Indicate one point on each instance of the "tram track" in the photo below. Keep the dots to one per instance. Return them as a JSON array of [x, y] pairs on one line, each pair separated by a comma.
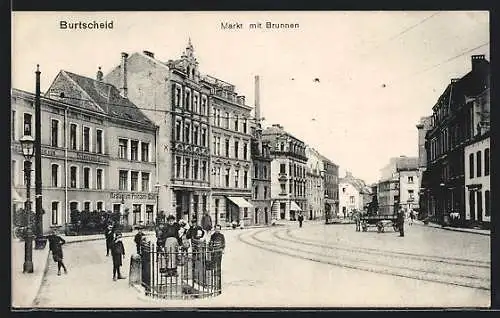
[[295, 250]]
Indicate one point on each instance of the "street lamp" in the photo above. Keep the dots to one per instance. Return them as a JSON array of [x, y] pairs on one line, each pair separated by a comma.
[[27, 145], [157, 187]]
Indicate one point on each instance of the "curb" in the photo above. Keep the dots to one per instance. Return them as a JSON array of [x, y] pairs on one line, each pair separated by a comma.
[[46, 269], [454, 229]]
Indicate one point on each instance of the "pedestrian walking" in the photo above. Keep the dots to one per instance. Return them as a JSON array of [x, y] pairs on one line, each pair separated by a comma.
[[138, 240], [206, 222], [401, 222], [357, 219], [55, 245], [109, 235], [117, 252], [412, 217], [300, 218]]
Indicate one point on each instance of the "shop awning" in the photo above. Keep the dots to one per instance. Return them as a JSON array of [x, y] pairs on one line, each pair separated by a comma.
[[294, 206], [16, 198], [241, 202]]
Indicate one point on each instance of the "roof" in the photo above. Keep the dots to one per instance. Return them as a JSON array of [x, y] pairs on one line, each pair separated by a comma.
[[356, 183], [108, 98]]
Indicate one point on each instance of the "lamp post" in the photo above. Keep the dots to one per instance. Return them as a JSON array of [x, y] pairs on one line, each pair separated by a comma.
[[157, 187], [27, 145]]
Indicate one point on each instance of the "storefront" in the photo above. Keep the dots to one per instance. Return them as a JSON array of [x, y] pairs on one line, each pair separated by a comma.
[[136, 208], [237, 209]]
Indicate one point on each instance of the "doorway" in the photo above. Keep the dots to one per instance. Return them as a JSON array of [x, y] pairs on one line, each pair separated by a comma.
[[266, 217], [472, 205], [256, 216], [282, 210], [480, 206]]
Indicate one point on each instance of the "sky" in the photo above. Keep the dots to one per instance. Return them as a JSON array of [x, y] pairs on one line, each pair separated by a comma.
[[378, 72]]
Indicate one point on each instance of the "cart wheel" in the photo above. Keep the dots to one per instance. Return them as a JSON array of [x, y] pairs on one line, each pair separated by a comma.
[[365, 228], [395, 227], [382, 229]]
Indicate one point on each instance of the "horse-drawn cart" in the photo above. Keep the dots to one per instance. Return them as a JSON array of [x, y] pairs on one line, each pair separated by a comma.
[[381, 222]]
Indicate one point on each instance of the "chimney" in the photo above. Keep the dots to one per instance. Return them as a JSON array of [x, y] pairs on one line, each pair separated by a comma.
[[99, 75], [476, 60], [123, 89], [257, 98], [148, 53]]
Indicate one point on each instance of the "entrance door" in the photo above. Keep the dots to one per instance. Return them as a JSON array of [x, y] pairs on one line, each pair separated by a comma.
[[310, 214], [480, 206], [282, 210], [266, 216], [256, 216], [472, 205]]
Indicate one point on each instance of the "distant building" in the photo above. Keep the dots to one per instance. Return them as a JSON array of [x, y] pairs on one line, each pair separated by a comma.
[[331, 187], [454, 125], [315, 191], [423, 126], [352, 195], [288, 172]]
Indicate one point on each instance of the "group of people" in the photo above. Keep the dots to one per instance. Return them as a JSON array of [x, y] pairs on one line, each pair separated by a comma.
[[115, 245]]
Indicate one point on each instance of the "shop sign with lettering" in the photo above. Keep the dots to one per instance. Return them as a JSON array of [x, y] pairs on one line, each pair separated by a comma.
[[132, 196]]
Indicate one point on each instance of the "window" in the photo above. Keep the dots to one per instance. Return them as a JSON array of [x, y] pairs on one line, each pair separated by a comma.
[[195, 103], [86, 139], [343, 190], [471, 166], [217, 208], [55, 175], [218, 146], [98, 179], [86, 206], [27, 128], [204, 170], [196, 168], [134, 150], [245, 179], [283, 188], [98, 141], [116, 207], [13, 173], [177, 167], [256, 192], [122, 148], [487, 203], [13, 125], [187, 168], [236, 178], [203, 105], [245, 150], [99, 206], [236, 123], [72, 136], [282, 168], [178, 130], [228, 171], [245, 212], [227, 121], [265, 172], [123, 180], [54, 132], [255, 171], [487, 162], [245, 126], [178, 96], [187, 129], [134, 181], [73, 206], [218, 117], [351, 199], [227, 147], [195, 135], [265, 192], [188, 100], [236, 146], [410, 179], [55, 213], [203, 141], [73, 176], [149, 213], [86, 178], [410, 194], [478, 163], [136, 208], [145, 181], [145, 151]]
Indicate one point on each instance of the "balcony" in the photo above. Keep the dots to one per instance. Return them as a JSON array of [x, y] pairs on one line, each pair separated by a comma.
[[282, 176]]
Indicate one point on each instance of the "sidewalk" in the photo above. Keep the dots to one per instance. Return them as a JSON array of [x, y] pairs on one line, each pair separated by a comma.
[[456, 229]]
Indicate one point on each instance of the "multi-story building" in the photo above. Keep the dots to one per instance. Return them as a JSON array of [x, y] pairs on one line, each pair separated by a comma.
[[174, 96], [423, 126], [288, 173], [315, 192], [399, 185], [231, 157], [453, 125], [477, 166], [81, 161], [261, 172], [331, 187], [352, 193]]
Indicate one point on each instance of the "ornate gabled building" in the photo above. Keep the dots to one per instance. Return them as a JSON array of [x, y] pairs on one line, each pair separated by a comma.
[[288, 173], [453, 127]]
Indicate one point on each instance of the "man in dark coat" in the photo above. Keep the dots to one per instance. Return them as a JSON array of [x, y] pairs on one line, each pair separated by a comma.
[[357, 219], [55, 245], [216, 246], [117, 252], [194, 231], [401, 222], [109, 234], [301, 219], [206, 222], [138, 240]]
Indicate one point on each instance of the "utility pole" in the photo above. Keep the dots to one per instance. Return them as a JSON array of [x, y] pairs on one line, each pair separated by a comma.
[[38, 159]]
